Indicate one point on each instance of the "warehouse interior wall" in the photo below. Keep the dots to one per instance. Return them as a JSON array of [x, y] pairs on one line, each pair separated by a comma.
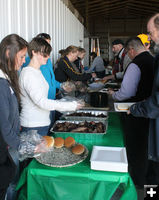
[[27, 18]]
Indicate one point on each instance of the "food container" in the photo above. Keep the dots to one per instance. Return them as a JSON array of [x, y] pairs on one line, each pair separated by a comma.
[[129, 104], [62, 157], [98, 99], [90, 115], [78, 135], [109, 159]]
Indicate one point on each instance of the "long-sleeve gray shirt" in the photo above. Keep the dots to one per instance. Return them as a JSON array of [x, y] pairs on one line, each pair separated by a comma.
[[129, 84], [97, 65]]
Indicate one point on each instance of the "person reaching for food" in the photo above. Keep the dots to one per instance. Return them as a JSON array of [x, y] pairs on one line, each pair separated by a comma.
[[35, 104]]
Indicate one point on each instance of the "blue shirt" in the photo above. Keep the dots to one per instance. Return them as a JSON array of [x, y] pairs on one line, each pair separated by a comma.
[[129, 84], [48, 73]]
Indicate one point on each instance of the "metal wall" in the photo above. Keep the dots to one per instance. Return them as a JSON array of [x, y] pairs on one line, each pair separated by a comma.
[[30, 17]]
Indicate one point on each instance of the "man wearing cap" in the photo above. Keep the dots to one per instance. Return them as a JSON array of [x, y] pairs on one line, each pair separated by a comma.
[[145, 40], [136, 86], [121, 60], [149, 108]]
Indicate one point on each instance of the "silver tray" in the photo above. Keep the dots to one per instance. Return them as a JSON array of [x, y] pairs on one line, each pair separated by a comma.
[[62, 157], [86, 118], [77, 122]]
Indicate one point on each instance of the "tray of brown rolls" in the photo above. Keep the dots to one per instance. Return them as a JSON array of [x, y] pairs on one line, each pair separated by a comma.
[[64, 153], [83, 127], [85, 115]]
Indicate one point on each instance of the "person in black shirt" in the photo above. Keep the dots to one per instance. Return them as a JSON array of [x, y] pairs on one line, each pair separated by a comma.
[[66, 72]]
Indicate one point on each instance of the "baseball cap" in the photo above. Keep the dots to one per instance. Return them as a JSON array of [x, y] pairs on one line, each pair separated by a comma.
[[118, 41], [143, 38]]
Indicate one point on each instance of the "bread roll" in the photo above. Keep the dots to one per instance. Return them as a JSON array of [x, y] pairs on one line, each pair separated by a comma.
[[122, 106], [49, 141], [78, 149], [59, 142], [69, 142]]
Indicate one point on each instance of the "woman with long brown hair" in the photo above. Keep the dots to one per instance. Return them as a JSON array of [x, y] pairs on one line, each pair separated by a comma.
[[12, 55]]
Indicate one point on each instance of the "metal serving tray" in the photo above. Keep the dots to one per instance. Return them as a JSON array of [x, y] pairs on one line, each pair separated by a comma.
[[105, 123], [86, 118], [62, 157]]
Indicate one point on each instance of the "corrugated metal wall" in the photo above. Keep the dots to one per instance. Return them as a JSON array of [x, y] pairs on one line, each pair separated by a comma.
[[30, 17]]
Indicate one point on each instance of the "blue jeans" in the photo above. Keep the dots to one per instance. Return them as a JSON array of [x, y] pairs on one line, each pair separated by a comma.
[[43, 130]]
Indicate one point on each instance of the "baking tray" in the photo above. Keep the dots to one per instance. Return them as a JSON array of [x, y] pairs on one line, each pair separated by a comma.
[[62, 157], [86, 118], [52, 130], [109, 159]]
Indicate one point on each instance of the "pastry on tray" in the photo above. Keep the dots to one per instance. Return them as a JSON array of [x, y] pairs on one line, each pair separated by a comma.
[[78, 149], [49, 141], [69, 142], [59, 142]]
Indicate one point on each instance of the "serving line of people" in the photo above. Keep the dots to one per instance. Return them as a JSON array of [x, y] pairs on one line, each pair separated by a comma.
[[149, 108], [31, 93], [136, 86], [36, 95], [140, 83]]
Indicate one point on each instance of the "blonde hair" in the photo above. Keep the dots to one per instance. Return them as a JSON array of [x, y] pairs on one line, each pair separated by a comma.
[[71, 49]]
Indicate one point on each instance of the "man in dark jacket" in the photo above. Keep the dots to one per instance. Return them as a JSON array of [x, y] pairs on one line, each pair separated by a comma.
[[149, 108], [136, 86]]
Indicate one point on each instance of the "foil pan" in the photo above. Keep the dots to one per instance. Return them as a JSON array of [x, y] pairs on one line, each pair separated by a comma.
[[62, 157], [53, 129], [96, 116]]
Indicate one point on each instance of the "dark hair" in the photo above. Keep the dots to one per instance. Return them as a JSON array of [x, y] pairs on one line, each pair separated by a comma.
[[44, 36], [81, 50], [134, 43], [9, 47], [118, 41], [93, 54], [39, 45]]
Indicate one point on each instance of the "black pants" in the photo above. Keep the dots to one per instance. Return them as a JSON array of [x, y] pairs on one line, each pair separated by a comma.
[[136, 141], [152, 177], [7, 174], [3, 193]]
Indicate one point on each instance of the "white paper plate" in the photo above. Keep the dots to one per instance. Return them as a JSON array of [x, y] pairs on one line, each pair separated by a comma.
[[109, 159], [116, 106]]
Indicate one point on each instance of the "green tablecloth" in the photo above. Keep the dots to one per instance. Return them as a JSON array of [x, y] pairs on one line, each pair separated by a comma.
[[79, 182]]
